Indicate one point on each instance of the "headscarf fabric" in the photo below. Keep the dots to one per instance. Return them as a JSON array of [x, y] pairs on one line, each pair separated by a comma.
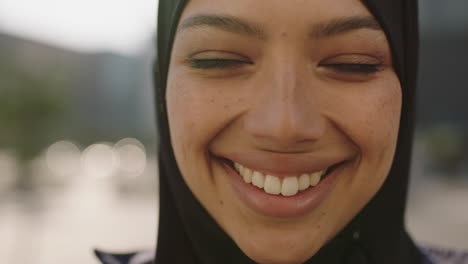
[[187, 234]]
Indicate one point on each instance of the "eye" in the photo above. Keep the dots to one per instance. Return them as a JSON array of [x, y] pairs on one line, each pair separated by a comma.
[[216, 63], [217, 59], [353, 67], [364, 68]]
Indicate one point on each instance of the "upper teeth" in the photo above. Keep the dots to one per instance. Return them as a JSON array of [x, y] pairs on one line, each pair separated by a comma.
[[289, 186]]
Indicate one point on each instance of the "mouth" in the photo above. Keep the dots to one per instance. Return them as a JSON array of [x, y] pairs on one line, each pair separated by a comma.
[[282, 194], [281, 186]]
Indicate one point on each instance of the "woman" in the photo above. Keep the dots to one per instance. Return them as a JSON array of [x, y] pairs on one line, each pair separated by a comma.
[[285, 130], [270, 91]]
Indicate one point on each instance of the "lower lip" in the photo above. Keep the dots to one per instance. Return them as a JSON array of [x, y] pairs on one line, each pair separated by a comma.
[[281, 206]]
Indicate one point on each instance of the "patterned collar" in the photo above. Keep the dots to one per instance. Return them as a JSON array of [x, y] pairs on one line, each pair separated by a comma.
[[142, 257], [445, 256]]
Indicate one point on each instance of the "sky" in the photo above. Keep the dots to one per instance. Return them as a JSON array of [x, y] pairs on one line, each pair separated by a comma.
[[125, 26], [122, 26]]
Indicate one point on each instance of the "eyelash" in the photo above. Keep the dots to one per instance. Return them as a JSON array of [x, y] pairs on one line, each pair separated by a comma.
[[360, 68], [215, 63], [364, 68]]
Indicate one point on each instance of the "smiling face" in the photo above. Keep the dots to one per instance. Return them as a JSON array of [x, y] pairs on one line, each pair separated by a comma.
[[283, 118]]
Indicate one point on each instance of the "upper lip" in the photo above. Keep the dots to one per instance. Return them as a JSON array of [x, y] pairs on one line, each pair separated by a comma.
[[284, 164]]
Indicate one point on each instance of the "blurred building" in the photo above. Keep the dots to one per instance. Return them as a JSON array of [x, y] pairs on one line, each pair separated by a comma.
[[109, 95], [442, 80], [442, 112]]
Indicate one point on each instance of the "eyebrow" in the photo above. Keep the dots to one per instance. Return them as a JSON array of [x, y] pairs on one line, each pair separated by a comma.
[[226, 23], [236, 25], [344, 25]]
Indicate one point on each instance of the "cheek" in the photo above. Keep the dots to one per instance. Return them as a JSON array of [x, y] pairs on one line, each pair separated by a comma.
[[186, 114], [370, 117], [189, 124], [197, 113], [380, 129]]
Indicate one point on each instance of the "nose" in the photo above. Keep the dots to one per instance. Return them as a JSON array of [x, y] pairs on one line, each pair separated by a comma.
[[285, 112]]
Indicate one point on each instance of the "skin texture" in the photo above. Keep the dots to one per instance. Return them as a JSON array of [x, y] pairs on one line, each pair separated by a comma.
[[282, 99]]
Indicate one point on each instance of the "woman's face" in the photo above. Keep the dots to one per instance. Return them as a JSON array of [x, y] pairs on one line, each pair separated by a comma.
[[283, 117]]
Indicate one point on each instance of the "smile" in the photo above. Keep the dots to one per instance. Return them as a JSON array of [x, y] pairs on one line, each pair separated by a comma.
[[285, 186]]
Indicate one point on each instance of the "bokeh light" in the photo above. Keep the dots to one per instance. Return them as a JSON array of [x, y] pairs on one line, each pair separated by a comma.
[[132, 156], [99, 160], [63, 158]]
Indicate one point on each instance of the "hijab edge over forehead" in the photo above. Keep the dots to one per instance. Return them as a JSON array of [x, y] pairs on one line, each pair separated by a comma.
[[187, 232]]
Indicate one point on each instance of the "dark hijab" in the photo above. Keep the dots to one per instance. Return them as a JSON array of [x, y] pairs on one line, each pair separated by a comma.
[[189, 235]]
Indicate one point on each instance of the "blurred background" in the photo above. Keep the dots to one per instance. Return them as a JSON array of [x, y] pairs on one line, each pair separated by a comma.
[[78, 166]]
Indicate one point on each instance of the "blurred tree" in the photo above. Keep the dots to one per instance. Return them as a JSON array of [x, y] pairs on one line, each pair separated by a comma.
[[447, 148], [30, 105]]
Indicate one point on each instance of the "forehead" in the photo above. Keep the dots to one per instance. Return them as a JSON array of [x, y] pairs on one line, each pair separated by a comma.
[[279, 15]]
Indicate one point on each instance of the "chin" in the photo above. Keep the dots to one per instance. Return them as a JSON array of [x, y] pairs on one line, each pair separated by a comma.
[[283, 256], [291, 249]]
